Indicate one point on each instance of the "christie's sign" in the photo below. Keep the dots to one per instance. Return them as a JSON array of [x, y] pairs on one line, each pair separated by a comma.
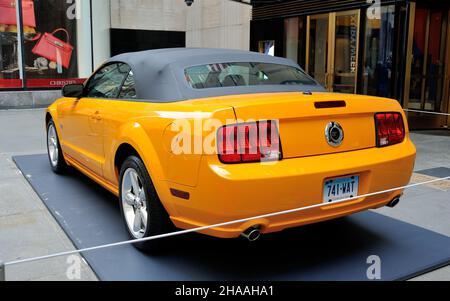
[[53, 83]]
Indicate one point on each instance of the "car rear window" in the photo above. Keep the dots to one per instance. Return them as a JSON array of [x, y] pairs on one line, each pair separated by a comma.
[[245, 74]]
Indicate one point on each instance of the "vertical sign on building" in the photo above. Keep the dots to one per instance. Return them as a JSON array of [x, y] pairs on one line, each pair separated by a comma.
[[353, 43]]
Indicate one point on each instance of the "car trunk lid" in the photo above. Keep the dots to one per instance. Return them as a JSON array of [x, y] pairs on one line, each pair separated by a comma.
[[303, 119]]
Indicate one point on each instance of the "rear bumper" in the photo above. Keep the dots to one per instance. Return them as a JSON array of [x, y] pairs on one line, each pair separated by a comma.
[[231, 192]]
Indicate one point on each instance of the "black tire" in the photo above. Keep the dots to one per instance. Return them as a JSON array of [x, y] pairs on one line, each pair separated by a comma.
[[158, 221], [59, 165]]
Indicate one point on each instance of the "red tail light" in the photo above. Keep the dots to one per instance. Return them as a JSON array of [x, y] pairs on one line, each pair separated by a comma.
[[249, 142], [390, 129]]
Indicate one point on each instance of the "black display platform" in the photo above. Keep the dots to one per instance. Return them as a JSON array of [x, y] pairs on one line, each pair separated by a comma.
[[335, 250]]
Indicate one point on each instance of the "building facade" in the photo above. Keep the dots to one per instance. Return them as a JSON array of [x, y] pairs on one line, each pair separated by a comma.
[[45, 44], [389, 48]]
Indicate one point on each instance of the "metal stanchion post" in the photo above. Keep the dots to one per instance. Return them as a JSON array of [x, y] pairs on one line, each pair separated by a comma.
[[2, 271]]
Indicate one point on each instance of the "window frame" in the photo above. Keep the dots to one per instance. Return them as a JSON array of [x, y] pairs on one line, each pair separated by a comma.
[[190, 85], [130, 73], [99, 69]]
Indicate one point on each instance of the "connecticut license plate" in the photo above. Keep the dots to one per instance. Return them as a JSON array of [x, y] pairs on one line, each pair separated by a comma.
[[339, 189]]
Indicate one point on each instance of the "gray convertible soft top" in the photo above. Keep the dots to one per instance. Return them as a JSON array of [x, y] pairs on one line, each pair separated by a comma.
[[160, 74]]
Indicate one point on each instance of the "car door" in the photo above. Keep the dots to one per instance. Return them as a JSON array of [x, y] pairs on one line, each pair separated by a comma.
[[110, 116], [82, 121]]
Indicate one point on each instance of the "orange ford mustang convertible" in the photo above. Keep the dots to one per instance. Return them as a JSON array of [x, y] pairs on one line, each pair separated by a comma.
[[194, 137]]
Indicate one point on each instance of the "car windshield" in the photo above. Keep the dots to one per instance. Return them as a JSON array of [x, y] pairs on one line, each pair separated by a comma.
[[245, 74]]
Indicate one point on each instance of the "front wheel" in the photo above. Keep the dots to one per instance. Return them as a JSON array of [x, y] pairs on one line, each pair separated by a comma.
[[54, 151], [142, 211]]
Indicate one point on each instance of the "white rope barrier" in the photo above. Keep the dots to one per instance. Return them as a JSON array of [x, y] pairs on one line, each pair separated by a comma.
[[220, 224], [127, 242], [426, 112], [3, 265]]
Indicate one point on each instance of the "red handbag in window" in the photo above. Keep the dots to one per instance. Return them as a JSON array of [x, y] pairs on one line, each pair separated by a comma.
[[54, 49], [8, 13]]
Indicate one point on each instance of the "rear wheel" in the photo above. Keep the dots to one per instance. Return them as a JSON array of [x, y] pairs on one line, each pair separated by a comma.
[[142, 211], [54, 151]]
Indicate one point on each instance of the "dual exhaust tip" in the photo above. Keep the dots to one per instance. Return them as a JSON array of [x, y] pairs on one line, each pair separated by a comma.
[[254, 233], [394, 202]]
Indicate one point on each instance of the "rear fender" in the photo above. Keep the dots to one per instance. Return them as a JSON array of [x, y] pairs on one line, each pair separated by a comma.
[[134, 134]]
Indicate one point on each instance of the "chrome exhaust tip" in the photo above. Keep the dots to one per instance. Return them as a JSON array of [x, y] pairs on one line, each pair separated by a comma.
[[251, 234], [394, 202]]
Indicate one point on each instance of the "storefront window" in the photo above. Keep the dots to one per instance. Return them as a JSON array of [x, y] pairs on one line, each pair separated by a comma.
[[49, 48], [378, 53], [9, 46]]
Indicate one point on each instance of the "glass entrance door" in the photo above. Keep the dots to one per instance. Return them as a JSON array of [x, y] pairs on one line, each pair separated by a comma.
[[317, 61], [332, 55], [346, 52], [427, 86]]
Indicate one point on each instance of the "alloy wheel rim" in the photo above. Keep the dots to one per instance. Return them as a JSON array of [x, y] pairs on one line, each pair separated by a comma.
[[52, 142], [134, 203]]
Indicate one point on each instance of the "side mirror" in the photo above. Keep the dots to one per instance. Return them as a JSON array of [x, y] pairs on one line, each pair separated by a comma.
[[73, 90]]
